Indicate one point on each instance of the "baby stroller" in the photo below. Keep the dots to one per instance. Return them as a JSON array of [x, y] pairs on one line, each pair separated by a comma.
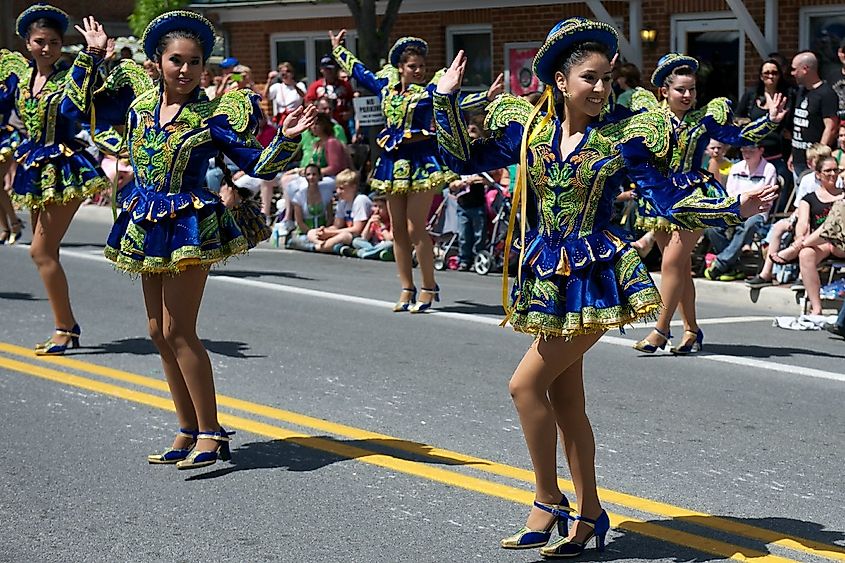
[[498, 210], [442, 227]]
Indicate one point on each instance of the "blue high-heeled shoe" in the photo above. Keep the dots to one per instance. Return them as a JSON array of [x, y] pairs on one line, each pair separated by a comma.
[[406, 305], [645, 346], [526, 538], [694, 347], [173, 455], [52, 348], [567, 548], [202, 458], [422, 307]]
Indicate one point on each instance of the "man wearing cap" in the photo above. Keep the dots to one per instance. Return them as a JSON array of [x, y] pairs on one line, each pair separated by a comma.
[[333, 88], [750, 173]]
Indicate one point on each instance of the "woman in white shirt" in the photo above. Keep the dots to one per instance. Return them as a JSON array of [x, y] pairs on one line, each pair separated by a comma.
[[285, 94]]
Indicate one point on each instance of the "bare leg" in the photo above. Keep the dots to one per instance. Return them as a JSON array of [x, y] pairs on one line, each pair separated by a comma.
[[182, 295], [397, 206], [50, 226], [675, 274], [156, 318], [543, 363], [687, 303], [808, 259], [267, 189], [568, 402], [419, 205]]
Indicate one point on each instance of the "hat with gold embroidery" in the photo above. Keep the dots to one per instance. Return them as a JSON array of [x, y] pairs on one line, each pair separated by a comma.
[[668, 63], [569, 32], [403, 43], [175, 21], [38, 11]]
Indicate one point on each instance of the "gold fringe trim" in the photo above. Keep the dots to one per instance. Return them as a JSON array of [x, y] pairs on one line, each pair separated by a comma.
[[191, 256], [434, 182], [52, 196]]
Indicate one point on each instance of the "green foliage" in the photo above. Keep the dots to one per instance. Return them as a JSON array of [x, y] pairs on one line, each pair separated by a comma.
[[147, 10]]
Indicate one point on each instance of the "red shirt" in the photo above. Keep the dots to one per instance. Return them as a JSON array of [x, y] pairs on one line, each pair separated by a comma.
[[340, 92]]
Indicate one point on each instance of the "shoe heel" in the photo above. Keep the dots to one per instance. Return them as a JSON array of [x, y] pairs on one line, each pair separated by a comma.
[[225, 454], [600, 542], [74, 342]]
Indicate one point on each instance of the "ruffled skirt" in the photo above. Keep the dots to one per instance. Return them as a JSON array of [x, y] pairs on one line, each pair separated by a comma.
[[10, 138], [648, 217], [411, 167], [581, 286], [55, 175], [157, 233]]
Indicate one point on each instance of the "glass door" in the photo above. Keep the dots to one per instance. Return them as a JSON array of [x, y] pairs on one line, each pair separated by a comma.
[[719, 45]]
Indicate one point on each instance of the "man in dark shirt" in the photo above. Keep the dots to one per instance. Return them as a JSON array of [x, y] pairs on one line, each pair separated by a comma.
[[816, 110]]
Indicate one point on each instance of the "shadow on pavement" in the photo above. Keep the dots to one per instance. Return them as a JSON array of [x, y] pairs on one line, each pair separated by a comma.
[[144, 347], [19, 296], [473, 308], [260, 273], [625, 545], [309, 453], [755, 351]]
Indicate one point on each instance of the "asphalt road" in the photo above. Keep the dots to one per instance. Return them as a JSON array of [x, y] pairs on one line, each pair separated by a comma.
[[368, 436]]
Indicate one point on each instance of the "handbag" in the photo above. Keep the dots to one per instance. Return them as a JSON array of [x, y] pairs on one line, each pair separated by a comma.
[[833, 228]]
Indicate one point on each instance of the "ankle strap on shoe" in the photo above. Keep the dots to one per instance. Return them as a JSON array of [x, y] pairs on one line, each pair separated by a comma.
[[221, 436], [666, 335], [192, 434], [558, 510]]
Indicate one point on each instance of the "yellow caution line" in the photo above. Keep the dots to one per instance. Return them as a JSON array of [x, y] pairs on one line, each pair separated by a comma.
[[804, 545], [447, 477]]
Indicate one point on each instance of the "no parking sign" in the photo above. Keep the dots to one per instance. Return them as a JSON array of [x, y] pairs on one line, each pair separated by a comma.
[[368, 111]]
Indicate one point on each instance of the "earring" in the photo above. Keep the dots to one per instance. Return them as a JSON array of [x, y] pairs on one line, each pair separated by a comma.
[[566, 94]]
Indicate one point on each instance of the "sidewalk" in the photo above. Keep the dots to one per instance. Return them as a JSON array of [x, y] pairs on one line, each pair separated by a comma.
[[776, 299]]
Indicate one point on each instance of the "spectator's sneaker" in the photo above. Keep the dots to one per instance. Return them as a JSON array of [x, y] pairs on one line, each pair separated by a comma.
[[732, 276], [834, 328], [386, 255], [757, 282], [464, 267], [713, 272], [347, 251]]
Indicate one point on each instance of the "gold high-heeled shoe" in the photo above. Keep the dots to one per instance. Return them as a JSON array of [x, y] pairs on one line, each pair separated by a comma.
[[202, 458], [423, 306], [52, 348], [526, 538], [406, 305], [645, 346], [175, 455]]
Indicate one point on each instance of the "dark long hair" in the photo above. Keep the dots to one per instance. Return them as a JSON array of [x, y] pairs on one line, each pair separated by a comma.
[[782, 84]]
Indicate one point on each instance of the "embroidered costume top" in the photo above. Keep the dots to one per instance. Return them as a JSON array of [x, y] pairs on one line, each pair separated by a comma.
[[691, 135], [408, 114], [169, 219], [576, 274], [54, 167]]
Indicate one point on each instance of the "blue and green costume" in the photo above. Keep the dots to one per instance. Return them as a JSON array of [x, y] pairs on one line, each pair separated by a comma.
[[405, 166]]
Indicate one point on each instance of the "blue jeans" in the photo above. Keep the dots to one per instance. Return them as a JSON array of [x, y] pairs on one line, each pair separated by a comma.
[[840, 320], [471, 226], [214, 177], [367, 249], [729, 250]]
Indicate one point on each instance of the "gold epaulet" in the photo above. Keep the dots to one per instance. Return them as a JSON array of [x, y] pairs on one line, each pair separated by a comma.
[[237, 106], [11, 62], [719, 109]]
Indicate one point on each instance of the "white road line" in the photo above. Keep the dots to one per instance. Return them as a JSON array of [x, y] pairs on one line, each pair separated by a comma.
[[492, 321]]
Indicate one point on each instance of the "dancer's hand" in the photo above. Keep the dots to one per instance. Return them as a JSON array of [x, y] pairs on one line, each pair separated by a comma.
[[757, 201], [777, 106], [93, 32], [299, 121], [337, 39], [497, 87], [453, 77]]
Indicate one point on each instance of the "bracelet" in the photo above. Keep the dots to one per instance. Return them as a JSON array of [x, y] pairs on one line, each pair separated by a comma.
[[98, 52]]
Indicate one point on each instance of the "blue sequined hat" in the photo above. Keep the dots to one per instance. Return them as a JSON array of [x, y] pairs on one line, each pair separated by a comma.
[[403, 43], [38, 11], [178, 19], [567, 33], [668, 63]]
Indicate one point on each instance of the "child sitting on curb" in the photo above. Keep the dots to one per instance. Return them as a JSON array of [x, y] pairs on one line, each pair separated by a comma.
[[353, 210], [376, 240]]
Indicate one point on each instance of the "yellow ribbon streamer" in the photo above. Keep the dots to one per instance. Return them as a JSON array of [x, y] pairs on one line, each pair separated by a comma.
[[519, 198]]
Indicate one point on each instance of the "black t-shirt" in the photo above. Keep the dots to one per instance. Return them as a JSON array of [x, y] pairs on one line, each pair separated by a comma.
[[811, 107]]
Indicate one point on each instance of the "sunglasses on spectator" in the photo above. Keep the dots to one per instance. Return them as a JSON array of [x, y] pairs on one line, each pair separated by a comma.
[[831, 171], [770, 73]]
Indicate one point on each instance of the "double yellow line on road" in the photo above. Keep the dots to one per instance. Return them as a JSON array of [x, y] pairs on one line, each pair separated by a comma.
[[428, 455]]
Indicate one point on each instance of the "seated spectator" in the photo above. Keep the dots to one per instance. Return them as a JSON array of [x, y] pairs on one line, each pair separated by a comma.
[[311, 210], [750, 173], [718, 164], [207, 84], [214, 175], [816, 153], [809, 248], [838, 327], [628, 79], [839, 153], [152, 70], [376, 240], [353, 211]]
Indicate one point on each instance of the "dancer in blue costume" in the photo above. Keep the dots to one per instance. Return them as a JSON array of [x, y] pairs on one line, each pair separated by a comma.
[[692, 130], [409, 170], [576, 277], [171, 228], [11, 226], [54, 172]]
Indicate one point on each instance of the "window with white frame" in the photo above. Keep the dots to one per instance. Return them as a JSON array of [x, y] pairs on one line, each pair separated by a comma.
[[822, 29], [304, 51], [477, 42]]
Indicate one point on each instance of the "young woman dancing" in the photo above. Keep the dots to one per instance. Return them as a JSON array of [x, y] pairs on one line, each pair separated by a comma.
[[576, 277], [54, 172], [171, 228], [692, 130], [409, 171]]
